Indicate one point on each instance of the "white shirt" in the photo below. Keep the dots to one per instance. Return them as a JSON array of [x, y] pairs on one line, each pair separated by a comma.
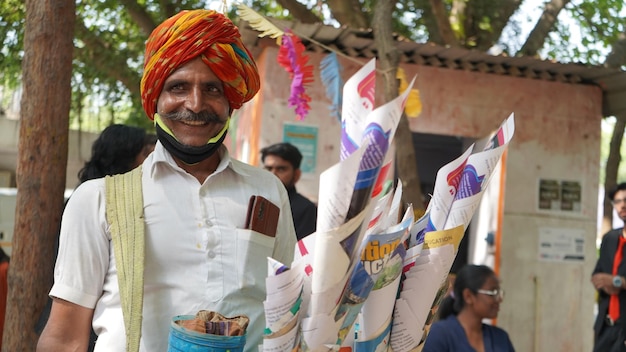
[[197, 254]]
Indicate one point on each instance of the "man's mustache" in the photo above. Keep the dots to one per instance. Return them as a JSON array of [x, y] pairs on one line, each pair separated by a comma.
[[186, 115]]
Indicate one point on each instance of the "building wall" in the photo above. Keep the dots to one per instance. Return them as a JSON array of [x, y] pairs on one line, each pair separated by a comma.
[[79, 151], [549, 305]]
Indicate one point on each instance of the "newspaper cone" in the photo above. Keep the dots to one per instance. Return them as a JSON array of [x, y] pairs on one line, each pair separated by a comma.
[[423, 282]]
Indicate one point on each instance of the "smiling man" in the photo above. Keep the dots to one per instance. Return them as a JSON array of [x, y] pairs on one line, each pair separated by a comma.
[[198, 255]]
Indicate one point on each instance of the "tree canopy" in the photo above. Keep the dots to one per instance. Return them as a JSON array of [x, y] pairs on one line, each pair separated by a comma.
[[110, 35]]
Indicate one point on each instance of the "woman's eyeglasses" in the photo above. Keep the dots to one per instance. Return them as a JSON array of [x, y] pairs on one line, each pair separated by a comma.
[[498, 293]]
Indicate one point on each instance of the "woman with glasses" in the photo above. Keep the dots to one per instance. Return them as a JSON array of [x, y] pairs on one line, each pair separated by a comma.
[[476, 296]]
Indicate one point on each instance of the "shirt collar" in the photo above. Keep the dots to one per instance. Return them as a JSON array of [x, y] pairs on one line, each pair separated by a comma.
[[161, 156]]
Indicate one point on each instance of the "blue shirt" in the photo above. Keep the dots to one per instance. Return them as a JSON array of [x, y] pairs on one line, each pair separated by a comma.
[[448, 335]]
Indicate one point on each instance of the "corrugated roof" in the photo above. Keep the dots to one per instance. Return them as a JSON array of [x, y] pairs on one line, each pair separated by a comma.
[[360, 43]]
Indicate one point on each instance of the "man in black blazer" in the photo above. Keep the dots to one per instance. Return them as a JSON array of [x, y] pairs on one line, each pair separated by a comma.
[[609, 279]]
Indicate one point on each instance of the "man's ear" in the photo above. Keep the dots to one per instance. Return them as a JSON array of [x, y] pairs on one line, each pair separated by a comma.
[[296, 175]]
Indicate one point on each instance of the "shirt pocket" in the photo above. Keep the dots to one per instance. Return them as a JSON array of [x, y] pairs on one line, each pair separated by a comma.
[[253, 248]]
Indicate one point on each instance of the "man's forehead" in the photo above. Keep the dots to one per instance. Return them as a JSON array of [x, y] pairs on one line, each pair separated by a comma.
[[275, 160], [196, 64]]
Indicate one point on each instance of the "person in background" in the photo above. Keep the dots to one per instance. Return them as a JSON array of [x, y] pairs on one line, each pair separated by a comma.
[[609, 278], [4, 270], [118, 149], [148, 146], [198, 255], [283, 160], [476, 296]]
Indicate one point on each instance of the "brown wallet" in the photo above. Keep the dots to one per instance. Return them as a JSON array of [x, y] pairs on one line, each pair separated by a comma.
[[262, 216]]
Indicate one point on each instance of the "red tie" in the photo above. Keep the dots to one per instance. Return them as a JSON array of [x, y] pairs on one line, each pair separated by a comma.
[[614, 300]]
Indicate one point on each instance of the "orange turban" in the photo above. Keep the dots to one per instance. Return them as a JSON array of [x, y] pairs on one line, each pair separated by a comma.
[[190, 34]]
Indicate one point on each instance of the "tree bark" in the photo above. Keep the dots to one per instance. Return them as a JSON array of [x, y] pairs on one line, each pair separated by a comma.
[[503, 10], [349, 13], [610, 172], [169, 7], [431, 24], [440, 14], [617, 56], [388, 59], [615, 59], [299, 11], [538, 35], [476, 11], [41, 167], [139, 14]]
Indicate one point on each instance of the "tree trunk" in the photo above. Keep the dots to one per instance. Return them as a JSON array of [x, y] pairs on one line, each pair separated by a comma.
[[479, 37], [388, 58], [538, 35], [140, 15], [617, 56], [299, 11], [350, 13], [440, 14], [615, 59], [610, 173], [41, 167]]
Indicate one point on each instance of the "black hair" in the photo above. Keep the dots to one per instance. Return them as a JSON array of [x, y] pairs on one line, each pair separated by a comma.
[[150, 139], [619, 187], [286, 151], [4, 257], [113, 152], [472, 277]]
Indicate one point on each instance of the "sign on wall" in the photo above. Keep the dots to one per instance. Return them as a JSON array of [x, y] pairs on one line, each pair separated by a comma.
[[558, 244], [304, 138], [560, 195]]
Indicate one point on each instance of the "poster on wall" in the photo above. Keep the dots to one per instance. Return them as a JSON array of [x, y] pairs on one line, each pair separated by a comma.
[[560, 195], [304, 137], [549, 195], [570, 196], [558, 244]]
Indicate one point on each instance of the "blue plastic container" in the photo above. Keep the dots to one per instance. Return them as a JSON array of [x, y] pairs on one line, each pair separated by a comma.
[[185, 340]]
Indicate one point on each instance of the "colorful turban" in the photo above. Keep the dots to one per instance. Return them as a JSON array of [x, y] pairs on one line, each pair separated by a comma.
[[191, 34]]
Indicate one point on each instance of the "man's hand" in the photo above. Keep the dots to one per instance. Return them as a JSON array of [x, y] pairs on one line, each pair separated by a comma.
[[604, 282]]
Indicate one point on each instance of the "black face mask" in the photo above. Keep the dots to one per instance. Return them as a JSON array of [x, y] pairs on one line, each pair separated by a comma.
[[187, 154]]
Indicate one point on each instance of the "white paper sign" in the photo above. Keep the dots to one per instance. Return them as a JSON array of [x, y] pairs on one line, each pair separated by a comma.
[[557, 244]]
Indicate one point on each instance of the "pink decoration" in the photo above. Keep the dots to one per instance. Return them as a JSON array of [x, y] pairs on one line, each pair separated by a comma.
[[291, 57]]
